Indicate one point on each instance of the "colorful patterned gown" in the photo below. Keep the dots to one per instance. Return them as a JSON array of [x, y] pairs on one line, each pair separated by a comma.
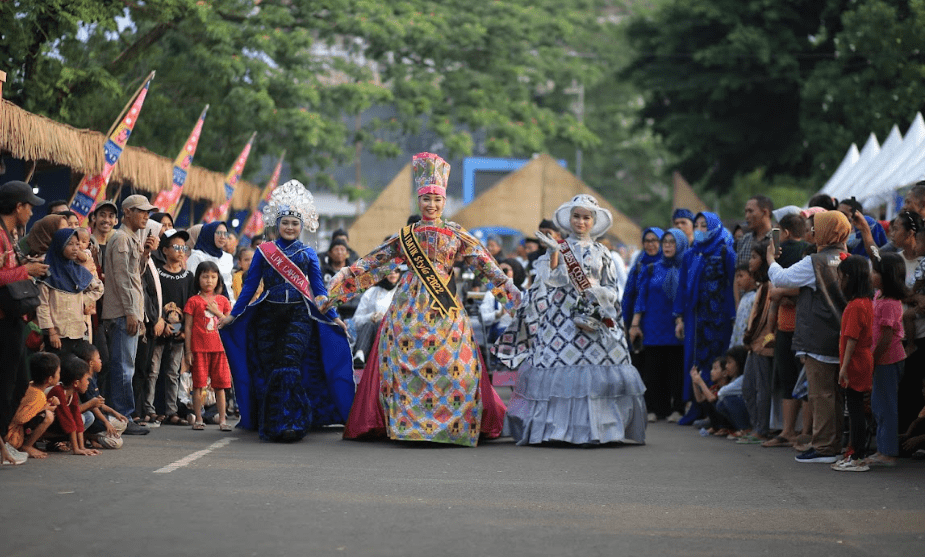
[[573, 386], [428, 363]]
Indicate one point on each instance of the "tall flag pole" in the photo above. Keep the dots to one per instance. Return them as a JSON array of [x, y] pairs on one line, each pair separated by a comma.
[[231, 180], [255, 223], [169, 200], [92, 189]]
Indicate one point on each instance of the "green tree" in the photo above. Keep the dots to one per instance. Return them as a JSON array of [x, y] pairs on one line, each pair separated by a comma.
[[875, 80], [723, 81], [298, 71]]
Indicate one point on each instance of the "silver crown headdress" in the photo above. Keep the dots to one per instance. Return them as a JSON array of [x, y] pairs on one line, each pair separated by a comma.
[[292, 200]]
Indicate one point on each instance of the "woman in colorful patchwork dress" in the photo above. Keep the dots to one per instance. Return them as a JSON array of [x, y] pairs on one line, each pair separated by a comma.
[[704, 308], [575, 381], [425, 380], [291, 364]]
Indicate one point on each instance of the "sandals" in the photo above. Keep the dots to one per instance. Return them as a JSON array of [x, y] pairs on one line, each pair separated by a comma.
[[778, 441], [58, 447], [199, 426], [224, 427], [174, 419]]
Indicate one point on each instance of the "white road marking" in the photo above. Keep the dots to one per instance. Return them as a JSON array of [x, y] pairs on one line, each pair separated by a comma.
[[195, 456]]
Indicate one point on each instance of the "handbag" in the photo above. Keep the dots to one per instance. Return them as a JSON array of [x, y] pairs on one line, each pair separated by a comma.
[[19, 298]]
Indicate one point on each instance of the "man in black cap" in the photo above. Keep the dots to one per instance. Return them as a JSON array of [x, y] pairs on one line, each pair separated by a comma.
[[16, 203], [351, 255]]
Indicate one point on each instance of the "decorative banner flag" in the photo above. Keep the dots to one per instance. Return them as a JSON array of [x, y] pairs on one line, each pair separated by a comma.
[[92, 188], [231, 180], [255, 224], [168, 200]]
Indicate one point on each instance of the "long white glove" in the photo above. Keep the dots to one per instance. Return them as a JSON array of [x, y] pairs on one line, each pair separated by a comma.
[[547, 240]]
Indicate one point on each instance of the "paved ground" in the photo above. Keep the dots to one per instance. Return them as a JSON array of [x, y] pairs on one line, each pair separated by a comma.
[[182, 492]]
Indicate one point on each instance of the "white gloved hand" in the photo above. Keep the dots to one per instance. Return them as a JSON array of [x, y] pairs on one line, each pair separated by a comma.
[[547, 240]]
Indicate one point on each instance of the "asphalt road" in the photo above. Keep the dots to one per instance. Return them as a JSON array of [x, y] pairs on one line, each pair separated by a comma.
[[204, 493]]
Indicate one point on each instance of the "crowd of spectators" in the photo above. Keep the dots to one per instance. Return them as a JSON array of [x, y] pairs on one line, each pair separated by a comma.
[[807, 330]]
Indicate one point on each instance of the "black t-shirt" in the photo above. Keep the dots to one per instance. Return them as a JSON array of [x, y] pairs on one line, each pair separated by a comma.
[[176, 289]]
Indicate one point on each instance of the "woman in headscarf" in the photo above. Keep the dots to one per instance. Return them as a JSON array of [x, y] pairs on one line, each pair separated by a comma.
[[704, 308], [210, 246], [818, 328], [428, 382], [36, 242], [290, 363], [575, 381], [65, 293], [651, 252], [166, 224], [663, 367]]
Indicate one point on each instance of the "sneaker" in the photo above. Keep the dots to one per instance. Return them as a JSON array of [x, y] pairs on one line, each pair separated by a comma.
[[850, 465], [702, 424], [652, 417], [814, 456], [108, 442], [675, 417], [116, 424], [19, 457], [132, 428]]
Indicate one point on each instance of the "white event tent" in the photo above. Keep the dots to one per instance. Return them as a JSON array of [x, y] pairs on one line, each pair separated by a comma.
[[877, 172]]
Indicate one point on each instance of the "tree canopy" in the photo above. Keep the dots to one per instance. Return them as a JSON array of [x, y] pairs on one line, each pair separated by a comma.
[[297, 71], [781, 86]]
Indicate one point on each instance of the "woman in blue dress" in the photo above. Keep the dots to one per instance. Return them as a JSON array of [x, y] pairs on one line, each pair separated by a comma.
[[291, 364], [652, 319], [704, 308]]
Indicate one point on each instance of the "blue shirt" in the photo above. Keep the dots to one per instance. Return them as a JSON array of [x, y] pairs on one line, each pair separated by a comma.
[[657, 323]]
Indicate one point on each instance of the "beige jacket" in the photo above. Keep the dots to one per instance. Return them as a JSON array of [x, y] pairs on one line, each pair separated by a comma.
[[64, 311], [122, 265]]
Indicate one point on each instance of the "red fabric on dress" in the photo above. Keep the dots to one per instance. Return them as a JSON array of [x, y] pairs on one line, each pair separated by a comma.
[[205, 324], [367, 417]]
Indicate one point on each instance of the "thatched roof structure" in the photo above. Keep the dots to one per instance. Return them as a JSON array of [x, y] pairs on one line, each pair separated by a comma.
[[685, 196], [533, 193], [385, 216], [32, 137]]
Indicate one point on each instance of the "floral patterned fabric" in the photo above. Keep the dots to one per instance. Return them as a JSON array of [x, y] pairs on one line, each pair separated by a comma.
[[429, 365]]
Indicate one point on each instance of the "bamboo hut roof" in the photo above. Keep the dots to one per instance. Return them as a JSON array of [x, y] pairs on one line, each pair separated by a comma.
[[532, 193], [386, 215], [32, 137]]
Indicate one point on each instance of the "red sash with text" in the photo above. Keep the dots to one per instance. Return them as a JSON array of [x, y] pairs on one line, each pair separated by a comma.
[[287, 269]]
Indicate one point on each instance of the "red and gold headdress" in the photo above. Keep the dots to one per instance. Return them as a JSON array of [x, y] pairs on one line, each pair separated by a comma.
[[430, 173]]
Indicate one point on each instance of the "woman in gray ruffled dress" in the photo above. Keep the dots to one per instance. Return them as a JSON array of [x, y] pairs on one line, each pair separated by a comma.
[[575, 381]]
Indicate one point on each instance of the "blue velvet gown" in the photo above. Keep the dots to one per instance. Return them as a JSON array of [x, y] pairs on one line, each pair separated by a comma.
[[291, 372]]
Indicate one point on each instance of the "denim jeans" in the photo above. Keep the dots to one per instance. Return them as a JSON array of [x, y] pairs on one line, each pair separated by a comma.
[[884, 405], [732, 407], [122, 348], [88, 419]]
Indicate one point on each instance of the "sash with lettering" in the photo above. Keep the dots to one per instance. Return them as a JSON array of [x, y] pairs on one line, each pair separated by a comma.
[[287, 269], [586, 313], [575, 272], [444, 301]]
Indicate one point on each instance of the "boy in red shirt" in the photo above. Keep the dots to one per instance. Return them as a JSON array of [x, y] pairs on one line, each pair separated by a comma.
[[75, 378]]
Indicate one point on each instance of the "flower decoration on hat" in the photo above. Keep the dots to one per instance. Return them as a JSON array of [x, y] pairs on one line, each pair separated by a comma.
[[292, 200], [430, 173]]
